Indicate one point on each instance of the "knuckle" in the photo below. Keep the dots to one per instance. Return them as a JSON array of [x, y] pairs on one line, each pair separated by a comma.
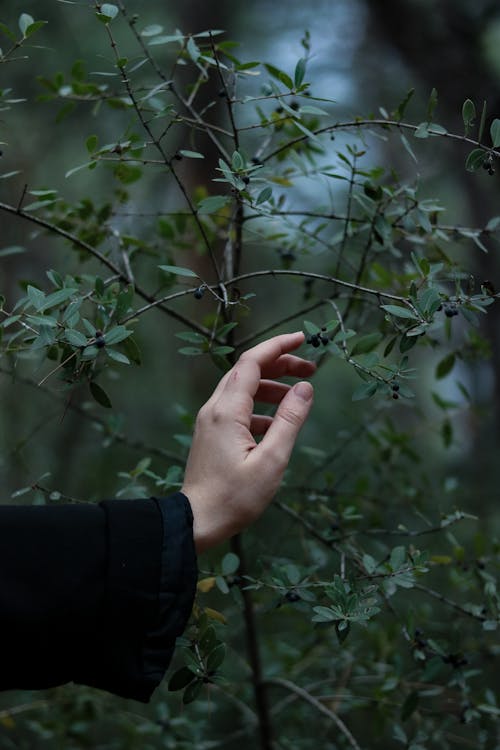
[[210, 414], [290, 417]]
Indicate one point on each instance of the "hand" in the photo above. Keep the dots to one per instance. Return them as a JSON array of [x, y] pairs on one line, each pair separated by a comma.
[[230, 479]]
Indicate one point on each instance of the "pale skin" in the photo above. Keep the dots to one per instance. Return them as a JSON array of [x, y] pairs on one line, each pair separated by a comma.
[[230, 479]]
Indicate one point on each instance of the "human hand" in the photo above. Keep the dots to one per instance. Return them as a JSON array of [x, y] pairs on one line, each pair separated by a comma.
[[230, 478]]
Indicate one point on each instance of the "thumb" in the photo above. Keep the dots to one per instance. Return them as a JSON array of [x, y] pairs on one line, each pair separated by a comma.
[[289, 418]]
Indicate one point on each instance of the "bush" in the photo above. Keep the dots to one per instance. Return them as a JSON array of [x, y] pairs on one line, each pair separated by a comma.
[[220, 201]]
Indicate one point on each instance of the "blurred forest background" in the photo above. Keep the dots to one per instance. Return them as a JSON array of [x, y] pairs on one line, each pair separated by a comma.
[[439, 450]]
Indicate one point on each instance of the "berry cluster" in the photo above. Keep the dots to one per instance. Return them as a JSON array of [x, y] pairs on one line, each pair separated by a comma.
[[488, 165], [395, 389], [450, 309], [316, 339]]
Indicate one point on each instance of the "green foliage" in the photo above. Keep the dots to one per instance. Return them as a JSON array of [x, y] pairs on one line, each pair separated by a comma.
[[366, 590]]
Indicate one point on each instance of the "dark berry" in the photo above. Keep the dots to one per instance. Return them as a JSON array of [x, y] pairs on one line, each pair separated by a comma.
[[315, 341], [294, 105], [323, 328], [99, 342], [395, 386], [324, 340], [221, 93], [255, 160], [178, 156], [279, 110], [395, 395], [292, 596], [246, 180], [198, 293]]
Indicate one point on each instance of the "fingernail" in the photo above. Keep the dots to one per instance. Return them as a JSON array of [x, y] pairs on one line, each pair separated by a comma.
[[304, 390]]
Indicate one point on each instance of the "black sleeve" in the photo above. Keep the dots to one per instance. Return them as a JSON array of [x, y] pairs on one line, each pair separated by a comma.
[[94, 594]]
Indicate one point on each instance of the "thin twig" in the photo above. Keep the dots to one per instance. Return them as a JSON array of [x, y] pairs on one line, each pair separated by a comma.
[[301, 693]]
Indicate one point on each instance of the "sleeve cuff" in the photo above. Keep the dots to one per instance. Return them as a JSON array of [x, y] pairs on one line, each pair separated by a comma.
[[151, 584]]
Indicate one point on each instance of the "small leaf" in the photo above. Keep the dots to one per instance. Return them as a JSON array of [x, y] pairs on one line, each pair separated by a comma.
[[445, 366], [432, 104], [91, 143], [212, 204], [113, 336], [280, 75], [366, 343], [33, 27], [152, 30], [100, 395], [25, 21], [191, 154], [495, 133], [108, 11], [216, 657], [367, 390], [117, 356], [179, 271], [409, 706], [180, 679], [192, 691], [263, 196], [468, 114], [300, 71], [475, 159], [230, 564], [399, 312]]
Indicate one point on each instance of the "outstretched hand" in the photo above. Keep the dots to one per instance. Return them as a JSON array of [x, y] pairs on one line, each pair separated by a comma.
[[230, 478]]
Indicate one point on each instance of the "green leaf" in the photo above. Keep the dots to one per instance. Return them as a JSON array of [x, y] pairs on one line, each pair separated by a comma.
[[445, 366], [432, 104], [280, 75], [263, 196], [190, 351], [33, 28], [8, 33], [117, 356], [56, 298], [216, 657], [12, 250], [180, 679], [212, 204], [366, 343], [300, 71], [495, 133], [468, 114], [74, 337], [367, 390], [100, 395], [230, 564], [324, 614], [399, 312], [409, 706], [91, 143], [237, 162], [116, 334], [475, 159], [482, 122], [108, 12], [192, 691], [152, 30], [35, 296], [179, 271], [191, 154], [192, 336], [399, 113], [25, 21]]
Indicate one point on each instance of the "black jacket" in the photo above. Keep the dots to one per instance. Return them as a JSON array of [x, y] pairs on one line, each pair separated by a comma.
[[94, 594]]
